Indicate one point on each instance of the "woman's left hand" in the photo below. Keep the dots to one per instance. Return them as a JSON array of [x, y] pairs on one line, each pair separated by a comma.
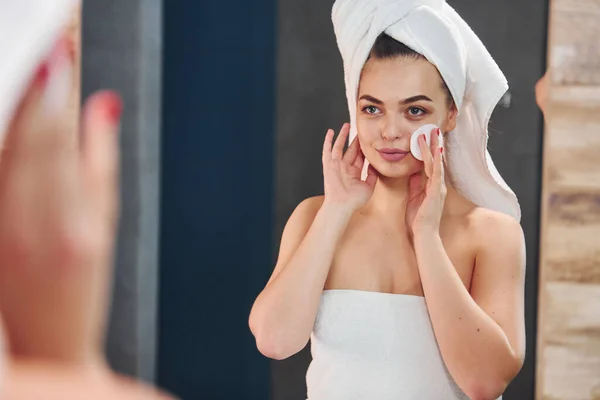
[[427, 189]]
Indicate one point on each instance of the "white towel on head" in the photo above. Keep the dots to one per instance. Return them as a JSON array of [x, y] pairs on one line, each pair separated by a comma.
[[28, 29], [433, 29]]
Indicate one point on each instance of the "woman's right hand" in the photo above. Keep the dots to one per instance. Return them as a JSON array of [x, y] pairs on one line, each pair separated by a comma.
[[344, 188], [58, 218]]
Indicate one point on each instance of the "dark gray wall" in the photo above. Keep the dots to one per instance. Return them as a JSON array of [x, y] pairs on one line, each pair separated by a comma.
[[122, 50], [311, 99]]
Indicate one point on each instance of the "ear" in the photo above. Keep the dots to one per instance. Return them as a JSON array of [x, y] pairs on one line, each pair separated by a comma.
[[450, 123]]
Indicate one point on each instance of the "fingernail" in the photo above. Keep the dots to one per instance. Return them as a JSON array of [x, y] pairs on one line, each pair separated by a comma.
[[441, 150], [113, 107], [41, 76], [439, 132]]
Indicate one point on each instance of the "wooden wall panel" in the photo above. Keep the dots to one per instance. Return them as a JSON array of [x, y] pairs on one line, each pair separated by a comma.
[[569, 314]]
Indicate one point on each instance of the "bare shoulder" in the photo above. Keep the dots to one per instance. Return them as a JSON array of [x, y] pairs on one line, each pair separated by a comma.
[[305, 212], [496, 233], [297, 226], [486, 221]]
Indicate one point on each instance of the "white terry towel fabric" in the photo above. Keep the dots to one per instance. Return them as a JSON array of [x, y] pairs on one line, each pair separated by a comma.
[[28, 30], [433, 29]]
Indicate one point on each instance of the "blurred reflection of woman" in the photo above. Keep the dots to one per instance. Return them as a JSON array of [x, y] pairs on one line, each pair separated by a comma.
[[409, 281], [58, 214]]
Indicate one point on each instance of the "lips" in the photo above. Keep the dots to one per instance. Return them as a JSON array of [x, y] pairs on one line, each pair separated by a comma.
[[392, 155]]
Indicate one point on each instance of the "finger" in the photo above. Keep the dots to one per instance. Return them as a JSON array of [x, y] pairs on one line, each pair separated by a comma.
[[50, 82], [100, 155], [327, 145], [26, 108], [416, 185], [338, 146], [352, 151], [427, 155], [46, 106], [32, 97], [371, 176], [39, 160], [438, 168], [44, 147], [434, 134], [54, 62], [359, 160]]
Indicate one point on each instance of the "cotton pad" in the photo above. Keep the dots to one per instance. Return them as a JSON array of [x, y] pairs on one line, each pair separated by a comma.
[[414, 144]]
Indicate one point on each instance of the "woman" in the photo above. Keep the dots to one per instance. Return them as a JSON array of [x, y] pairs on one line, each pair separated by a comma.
[[410, 281], [58, 211]]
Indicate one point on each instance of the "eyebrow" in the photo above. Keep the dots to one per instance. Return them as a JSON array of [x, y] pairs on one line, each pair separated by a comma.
[[409, 100]]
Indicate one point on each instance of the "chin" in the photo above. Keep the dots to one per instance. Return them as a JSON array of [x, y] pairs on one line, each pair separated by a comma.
[[398, 170]]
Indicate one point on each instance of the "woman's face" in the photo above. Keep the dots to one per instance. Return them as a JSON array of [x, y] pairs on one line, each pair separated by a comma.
[[397, 96]]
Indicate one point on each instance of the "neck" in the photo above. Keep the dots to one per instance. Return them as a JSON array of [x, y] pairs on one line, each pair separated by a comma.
[[391, 195], [389, 198]]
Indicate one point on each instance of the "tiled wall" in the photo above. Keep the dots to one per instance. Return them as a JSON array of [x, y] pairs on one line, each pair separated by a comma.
[[569, 330]]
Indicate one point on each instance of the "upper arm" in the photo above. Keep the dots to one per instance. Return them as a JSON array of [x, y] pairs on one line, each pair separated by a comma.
[[295, 230], [498, 284]]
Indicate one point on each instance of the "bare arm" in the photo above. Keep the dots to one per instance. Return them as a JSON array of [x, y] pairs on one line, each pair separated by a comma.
[[480, 334], [284, 313]]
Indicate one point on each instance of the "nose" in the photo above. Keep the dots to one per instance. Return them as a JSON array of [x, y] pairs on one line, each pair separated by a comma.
[[393, 129]]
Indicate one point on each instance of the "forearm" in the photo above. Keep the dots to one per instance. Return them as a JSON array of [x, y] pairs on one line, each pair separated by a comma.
[[283, 315], [474, 347]]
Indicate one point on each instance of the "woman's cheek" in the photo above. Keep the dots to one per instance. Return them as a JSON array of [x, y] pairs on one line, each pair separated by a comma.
[[368, 130]]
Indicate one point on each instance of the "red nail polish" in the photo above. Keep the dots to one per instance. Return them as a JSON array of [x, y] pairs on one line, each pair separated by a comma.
[[439, 132], [441, 150], [42, 75], [113, 107]]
